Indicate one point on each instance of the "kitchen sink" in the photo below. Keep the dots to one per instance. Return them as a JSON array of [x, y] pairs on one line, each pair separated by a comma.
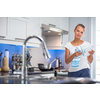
[[43, 79], [10, 76]]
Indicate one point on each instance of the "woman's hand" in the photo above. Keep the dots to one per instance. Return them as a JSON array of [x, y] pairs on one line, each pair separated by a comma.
[[90, 57], [91, 52], [78, 53]]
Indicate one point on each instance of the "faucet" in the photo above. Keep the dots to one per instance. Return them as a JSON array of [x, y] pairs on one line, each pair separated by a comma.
[[25, 64]]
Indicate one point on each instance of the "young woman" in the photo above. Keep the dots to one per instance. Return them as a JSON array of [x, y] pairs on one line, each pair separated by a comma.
[[79, 64]]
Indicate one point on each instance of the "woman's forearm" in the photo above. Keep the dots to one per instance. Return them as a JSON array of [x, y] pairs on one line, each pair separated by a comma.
[[90, 58], [69, 59]]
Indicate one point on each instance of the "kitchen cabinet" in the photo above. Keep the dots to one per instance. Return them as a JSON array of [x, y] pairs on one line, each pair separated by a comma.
[[15, 30], [3, 27], [50, 20], [19, 27], [57, 41], [59, 22], [34, 29], [64, 23]]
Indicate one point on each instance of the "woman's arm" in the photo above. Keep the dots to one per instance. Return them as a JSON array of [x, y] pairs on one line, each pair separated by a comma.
[[69, 59], [90, 57]]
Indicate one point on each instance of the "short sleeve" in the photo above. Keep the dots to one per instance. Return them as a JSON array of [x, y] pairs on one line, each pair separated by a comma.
[[87, 43], [67, 45]]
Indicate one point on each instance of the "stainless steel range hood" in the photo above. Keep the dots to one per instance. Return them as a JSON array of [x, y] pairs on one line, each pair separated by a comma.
[[52, 30]]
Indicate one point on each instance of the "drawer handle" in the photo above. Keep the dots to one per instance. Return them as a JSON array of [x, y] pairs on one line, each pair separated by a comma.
[[2, 36], [19, 39]]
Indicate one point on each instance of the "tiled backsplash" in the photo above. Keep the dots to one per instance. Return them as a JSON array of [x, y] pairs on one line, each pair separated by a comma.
[[36, 56]]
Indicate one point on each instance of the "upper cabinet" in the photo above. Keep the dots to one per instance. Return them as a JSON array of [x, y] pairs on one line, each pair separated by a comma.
[[3, 27], [64, 23], [19, 27], [54, 38], [34, 24], [50, 20], [60, 22], [16, 29]]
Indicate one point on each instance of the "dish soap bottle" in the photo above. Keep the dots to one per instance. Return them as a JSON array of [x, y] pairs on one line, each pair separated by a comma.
[[5, 66]]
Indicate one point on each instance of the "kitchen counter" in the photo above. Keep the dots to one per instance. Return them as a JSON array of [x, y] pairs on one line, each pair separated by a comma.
[[47, 78]]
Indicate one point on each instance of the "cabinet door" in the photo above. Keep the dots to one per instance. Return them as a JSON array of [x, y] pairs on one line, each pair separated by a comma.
[[50, 20], [3, 27], [34, 29], [64, 23], [19, 28]]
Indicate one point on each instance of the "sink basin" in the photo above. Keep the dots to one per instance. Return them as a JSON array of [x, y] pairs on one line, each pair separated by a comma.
[[35, 77], [32, 79]]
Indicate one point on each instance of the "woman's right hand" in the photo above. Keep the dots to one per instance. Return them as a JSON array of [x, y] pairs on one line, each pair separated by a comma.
[[78, 53]]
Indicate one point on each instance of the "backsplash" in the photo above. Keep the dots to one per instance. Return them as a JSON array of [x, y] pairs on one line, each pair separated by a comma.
[[13, 49], [37, 54]]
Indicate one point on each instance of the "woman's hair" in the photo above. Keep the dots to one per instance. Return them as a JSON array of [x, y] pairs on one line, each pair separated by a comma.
[[80, 25]]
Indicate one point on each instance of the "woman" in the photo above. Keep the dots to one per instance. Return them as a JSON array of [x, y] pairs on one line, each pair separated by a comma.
[[79, 64]]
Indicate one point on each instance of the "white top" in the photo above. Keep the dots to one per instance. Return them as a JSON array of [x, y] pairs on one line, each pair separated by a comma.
[[79, 62]]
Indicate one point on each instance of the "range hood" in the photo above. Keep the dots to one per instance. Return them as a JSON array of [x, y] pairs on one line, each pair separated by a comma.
[[52, 30]]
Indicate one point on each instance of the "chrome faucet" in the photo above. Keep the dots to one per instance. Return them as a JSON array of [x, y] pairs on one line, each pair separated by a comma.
[[25, 64]]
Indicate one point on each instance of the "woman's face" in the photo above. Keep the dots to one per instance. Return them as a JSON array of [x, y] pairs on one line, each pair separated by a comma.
[[79, 31]]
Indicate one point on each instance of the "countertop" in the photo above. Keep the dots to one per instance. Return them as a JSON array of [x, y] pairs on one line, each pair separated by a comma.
[[42, 78]]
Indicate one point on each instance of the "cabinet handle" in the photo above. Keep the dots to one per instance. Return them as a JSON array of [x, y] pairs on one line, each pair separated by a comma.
[[52, 25], [19, 39], [2, 36], [62, 39]]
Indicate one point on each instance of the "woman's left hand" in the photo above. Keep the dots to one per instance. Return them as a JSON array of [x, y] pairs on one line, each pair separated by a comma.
[[91, 52]]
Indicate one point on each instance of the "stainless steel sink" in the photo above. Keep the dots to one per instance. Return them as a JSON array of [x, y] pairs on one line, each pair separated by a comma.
[[10, 76], [35, 77], [32, 79]]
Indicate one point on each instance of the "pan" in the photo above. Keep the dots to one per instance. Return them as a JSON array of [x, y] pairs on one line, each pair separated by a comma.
[[46, 67]]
